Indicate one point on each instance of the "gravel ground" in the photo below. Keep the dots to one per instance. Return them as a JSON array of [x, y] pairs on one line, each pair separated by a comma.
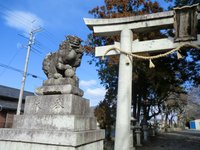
[[181, 140]]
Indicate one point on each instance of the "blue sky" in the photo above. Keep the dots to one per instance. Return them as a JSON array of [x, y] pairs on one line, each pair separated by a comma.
[[57, 18]]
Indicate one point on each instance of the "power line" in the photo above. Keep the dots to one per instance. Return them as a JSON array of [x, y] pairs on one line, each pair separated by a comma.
[[42, 46], [11, 60], [20, 71], [33, 49], [37, 52], [23, 36], [51, 40], [50, 35]]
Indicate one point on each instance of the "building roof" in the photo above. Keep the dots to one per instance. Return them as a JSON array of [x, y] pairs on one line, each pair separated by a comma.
[[8, 105], [9, 97], [12, 93]]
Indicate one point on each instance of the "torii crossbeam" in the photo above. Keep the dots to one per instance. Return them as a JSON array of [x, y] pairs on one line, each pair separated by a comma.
[[124, 28]]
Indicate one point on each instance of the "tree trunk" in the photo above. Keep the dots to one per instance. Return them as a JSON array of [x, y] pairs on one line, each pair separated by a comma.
[[134, 102], [139, 108], [166, 120]]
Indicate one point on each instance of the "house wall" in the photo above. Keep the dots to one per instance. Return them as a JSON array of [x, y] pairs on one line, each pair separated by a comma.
[[9, 119], [6, 119], [197, 123], [2, 119], [192, 125], [8, 104]]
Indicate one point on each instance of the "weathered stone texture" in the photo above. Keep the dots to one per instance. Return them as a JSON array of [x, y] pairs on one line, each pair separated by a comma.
[[52, 137], [67, 104], [55, 122], [61, 65], [10, 145], [59, 89]]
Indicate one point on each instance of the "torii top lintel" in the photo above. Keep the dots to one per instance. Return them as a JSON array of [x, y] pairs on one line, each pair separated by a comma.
[[136, 23]]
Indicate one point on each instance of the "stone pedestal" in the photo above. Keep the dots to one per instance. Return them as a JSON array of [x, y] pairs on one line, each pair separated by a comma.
[[153, 131], [131, 142], [145, 132], [53, 122], [138, 135], [59, 89]]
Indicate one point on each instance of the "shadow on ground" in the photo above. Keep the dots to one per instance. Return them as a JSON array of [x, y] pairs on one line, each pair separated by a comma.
[[181, 140]]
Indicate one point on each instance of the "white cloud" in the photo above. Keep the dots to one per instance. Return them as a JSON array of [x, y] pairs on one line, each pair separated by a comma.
[[93, 91], [89, 83], [96, 92], [21, 20], [95, 95]]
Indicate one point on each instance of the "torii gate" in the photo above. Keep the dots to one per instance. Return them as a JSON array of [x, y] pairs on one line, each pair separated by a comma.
[[124, 27]]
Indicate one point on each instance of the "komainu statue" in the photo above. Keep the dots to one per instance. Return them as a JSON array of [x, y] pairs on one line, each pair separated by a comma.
[[60, 66]]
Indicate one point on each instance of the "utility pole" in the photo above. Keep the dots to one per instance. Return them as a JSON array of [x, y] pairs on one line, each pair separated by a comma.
[[30, 42]]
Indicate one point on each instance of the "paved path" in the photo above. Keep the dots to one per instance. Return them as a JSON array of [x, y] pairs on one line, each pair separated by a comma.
[[182, 140]]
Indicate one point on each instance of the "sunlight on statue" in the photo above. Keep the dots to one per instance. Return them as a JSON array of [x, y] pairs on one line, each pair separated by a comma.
[[60, 69], [60, 66]]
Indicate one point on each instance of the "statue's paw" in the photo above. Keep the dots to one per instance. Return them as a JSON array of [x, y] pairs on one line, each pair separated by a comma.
[[57, 76], [68, 67]]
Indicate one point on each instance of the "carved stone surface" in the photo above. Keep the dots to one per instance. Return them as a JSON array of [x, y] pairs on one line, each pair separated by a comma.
[[61, 65], [51, 137], [60, 81], [59, 89], [10, 145], [55, 122], [37, 105], [61, 104]]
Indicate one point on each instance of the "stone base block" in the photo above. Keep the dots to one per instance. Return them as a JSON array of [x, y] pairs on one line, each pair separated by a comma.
[[66, 104], [51, 137], [10, 145], [60, 81], [59, 89], [55, 122]]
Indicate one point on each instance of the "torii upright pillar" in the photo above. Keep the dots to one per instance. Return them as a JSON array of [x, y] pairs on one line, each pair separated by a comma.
[[124, 97]]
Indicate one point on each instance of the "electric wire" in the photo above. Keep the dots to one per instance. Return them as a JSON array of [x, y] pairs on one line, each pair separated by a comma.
[[38, 52], [20, 71], [9, 63]]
